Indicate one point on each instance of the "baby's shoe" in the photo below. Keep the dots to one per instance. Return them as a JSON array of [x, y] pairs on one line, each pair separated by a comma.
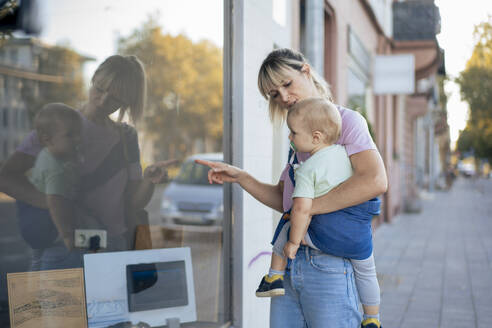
[[271, 286], [371, 323]]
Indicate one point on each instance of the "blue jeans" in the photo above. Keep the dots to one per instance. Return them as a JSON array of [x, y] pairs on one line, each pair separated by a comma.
[[320, 292]]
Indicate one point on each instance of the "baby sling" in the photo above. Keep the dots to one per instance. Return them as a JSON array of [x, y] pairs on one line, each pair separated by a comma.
[[343, 233]]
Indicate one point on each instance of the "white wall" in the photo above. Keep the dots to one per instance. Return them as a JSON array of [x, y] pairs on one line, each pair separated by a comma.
[[384, 14], [260, 34]]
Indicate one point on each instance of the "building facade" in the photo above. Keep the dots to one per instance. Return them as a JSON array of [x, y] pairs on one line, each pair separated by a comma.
[[16, 57], [28, 71], [352, 35]]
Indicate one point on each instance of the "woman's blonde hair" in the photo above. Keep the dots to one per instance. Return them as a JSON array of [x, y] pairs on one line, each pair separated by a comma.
[[272, 73], [124, 77]]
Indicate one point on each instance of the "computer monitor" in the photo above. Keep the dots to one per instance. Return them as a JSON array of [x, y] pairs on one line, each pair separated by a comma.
[[139, 286], [157, 285]]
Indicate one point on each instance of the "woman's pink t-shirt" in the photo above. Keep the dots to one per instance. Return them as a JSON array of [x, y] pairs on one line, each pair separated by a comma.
[[354, 137]]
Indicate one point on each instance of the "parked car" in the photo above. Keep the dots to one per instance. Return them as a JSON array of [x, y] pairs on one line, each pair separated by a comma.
[[189, 198], [466, 169]]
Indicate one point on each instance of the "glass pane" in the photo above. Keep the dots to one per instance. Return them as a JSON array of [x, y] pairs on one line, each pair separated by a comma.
[[356, 92], [87, 163]]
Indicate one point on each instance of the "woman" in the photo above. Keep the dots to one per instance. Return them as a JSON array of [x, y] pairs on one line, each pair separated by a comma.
[[285, 77], [112, 188]]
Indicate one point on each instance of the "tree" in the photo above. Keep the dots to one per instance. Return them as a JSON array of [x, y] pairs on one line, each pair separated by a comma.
[[476, 89], [184, 104]]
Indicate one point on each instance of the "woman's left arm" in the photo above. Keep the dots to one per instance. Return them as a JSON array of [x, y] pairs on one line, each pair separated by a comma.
[[139, 192], [368, 181]]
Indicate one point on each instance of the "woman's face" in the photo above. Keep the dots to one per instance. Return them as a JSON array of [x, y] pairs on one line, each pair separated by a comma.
[[296, 85], [103, 100]]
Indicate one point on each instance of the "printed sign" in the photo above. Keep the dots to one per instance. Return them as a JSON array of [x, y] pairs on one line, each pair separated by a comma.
[[53, 299]]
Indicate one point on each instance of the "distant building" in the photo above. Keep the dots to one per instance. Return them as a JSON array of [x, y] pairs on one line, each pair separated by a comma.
[[20, 83], [425, 147], [403, 123]]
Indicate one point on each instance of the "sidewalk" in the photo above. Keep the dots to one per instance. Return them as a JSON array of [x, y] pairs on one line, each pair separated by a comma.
[[435, 267]]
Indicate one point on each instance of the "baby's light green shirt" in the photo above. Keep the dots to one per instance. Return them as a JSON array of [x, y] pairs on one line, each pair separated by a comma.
[[52, 176], [323, 171]]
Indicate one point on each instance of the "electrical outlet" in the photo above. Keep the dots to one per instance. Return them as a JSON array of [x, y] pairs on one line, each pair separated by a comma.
[[82, 237]]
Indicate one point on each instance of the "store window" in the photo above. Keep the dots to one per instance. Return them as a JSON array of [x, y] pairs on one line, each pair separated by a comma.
[[357, 88], [134, 232], [5, 114], [358, 76], [2, 87], [331, 40], [5, 86], [13, 57]]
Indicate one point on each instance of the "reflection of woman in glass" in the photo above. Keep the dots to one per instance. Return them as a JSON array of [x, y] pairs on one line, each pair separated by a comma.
[[112, 187], [320, 290]]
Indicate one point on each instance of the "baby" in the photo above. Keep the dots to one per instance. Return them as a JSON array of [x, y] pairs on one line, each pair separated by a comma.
[[58, 127], [315, 126]]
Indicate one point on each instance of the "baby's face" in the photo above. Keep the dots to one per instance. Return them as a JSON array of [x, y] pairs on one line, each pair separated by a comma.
[[300, 135], [65, 141]]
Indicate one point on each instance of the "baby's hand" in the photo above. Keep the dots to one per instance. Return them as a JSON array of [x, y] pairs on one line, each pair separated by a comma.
[[68, 240], [290, 250]]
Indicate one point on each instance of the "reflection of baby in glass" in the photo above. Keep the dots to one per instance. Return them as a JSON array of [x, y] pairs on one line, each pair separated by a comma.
[[58, 127]]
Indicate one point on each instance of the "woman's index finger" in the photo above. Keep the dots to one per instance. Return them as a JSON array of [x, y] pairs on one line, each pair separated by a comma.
[[169, 162], [206, 163]]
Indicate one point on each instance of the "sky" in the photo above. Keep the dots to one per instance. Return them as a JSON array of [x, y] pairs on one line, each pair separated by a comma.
[[458, 19], [92, 27]]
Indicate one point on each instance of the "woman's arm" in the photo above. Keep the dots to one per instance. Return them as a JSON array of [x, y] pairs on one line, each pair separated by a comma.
[[13, 180], [368, 181], [139, 192], [268, 194]]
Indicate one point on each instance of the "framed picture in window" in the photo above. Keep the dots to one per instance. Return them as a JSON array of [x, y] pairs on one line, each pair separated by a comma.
[[54, 298]]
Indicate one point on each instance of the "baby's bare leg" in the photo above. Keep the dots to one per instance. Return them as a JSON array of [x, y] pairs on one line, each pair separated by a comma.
[[278, 263], [371, 309]]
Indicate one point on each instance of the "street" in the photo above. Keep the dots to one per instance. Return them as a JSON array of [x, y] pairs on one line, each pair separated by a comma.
[[435, 267]]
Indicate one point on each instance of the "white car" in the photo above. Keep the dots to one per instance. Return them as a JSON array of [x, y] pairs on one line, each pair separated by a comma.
[[466, 169], [189, 198]]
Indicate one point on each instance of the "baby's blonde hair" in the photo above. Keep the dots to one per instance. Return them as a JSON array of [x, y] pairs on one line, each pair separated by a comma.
[[51, 116], [318, 114], [273, 72]]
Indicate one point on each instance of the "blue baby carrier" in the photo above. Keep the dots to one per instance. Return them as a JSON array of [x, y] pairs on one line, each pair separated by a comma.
[[343, 233]]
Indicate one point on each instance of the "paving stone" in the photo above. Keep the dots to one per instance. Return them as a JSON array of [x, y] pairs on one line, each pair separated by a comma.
[[435, 267]]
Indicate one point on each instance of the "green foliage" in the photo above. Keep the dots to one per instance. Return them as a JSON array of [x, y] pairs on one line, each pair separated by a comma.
[[465, 141], [184, 103], [476, 89]]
